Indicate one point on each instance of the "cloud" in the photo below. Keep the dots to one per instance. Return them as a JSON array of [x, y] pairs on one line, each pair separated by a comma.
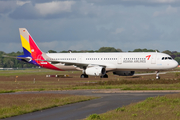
[[136, 2], [53, 10], [54, 7], [169, 11], [7, 6], [163, 1], [91, 24], [49, 9], [26, 11], [48, 45], [9, 47], [20, 3], [118, 31]]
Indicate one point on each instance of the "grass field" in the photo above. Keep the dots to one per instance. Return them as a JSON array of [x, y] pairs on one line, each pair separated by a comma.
[[36, 80], [37, 71], [153, 108], [17, 104]]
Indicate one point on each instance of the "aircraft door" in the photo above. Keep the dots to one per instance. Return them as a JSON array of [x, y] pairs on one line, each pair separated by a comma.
[[79, 59], [119, 61], [153, 59]]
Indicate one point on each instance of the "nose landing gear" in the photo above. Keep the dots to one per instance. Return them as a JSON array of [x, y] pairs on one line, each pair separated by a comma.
[[157, 75]]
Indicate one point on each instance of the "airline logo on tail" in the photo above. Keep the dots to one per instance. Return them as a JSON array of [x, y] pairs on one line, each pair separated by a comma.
[[30, 48], [32, 51]]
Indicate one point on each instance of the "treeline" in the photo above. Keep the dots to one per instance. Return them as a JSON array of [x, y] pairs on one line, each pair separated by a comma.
[[6, 62], [102, 49]]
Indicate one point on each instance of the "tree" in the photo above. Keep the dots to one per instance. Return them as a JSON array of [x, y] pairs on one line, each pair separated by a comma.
[[52, 51], [178, 60], [119, 50], [107, 49], [145, 50], [137, 50], [167, 52]]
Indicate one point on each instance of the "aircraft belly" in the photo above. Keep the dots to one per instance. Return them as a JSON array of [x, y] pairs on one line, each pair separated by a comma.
[[140, 67], [66, 68]]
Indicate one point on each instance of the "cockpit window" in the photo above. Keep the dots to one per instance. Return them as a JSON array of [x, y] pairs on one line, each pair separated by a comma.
[[166, 58], [170, 58]]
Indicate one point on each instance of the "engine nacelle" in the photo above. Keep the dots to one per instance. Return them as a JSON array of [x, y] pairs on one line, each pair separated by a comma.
[[124, 73], [95, 71]]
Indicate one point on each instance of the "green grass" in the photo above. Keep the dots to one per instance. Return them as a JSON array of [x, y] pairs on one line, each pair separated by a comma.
[[132, 87], [17, 104], [25, 81], [162, 107], [38, 71], [8, 87]]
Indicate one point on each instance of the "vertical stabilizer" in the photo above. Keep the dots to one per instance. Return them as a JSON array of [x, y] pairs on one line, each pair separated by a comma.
[[32, 52], [29, 46]]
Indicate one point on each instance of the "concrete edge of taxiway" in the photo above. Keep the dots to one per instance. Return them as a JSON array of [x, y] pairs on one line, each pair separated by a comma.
[[98, 91], [132, 91]]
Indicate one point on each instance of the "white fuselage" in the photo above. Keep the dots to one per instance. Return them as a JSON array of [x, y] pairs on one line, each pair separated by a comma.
[[119, 61]]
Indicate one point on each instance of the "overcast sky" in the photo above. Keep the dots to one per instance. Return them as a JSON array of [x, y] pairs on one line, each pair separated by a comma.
[[90, 24]]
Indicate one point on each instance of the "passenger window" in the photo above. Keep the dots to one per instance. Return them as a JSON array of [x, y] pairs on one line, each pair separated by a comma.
[[163, 58], [166, 58]]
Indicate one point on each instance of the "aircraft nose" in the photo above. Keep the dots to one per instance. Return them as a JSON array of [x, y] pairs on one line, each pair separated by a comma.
[[175, 64]]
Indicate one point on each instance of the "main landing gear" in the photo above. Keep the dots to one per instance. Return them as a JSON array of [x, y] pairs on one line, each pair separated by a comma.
[[157, 75], [84, 76], [104, 76]]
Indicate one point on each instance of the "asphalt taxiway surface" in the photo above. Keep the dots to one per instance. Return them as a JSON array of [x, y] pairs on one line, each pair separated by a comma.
[[108, 100]]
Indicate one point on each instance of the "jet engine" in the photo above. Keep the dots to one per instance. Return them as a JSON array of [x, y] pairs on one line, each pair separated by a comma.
[[124, 73], [95, 71]]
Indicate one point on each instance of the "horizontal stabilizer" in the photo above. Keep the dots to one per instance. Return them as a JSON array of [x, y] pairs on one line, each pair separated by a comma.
[[23, 58]]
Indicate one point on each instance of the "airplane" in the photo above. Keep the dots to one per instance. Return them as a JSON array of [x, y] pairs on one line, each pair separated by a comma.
[[95, 64]]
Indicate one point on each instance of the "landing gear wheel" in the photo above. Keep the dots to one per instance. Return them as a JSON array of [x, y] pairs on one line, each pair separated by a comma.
[[157, 75], [104, 76], [84, 76]]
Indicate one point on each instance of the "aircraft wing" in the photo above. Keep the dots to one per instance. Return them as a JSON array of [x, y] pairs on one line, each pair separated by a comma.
[[67, 63]]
